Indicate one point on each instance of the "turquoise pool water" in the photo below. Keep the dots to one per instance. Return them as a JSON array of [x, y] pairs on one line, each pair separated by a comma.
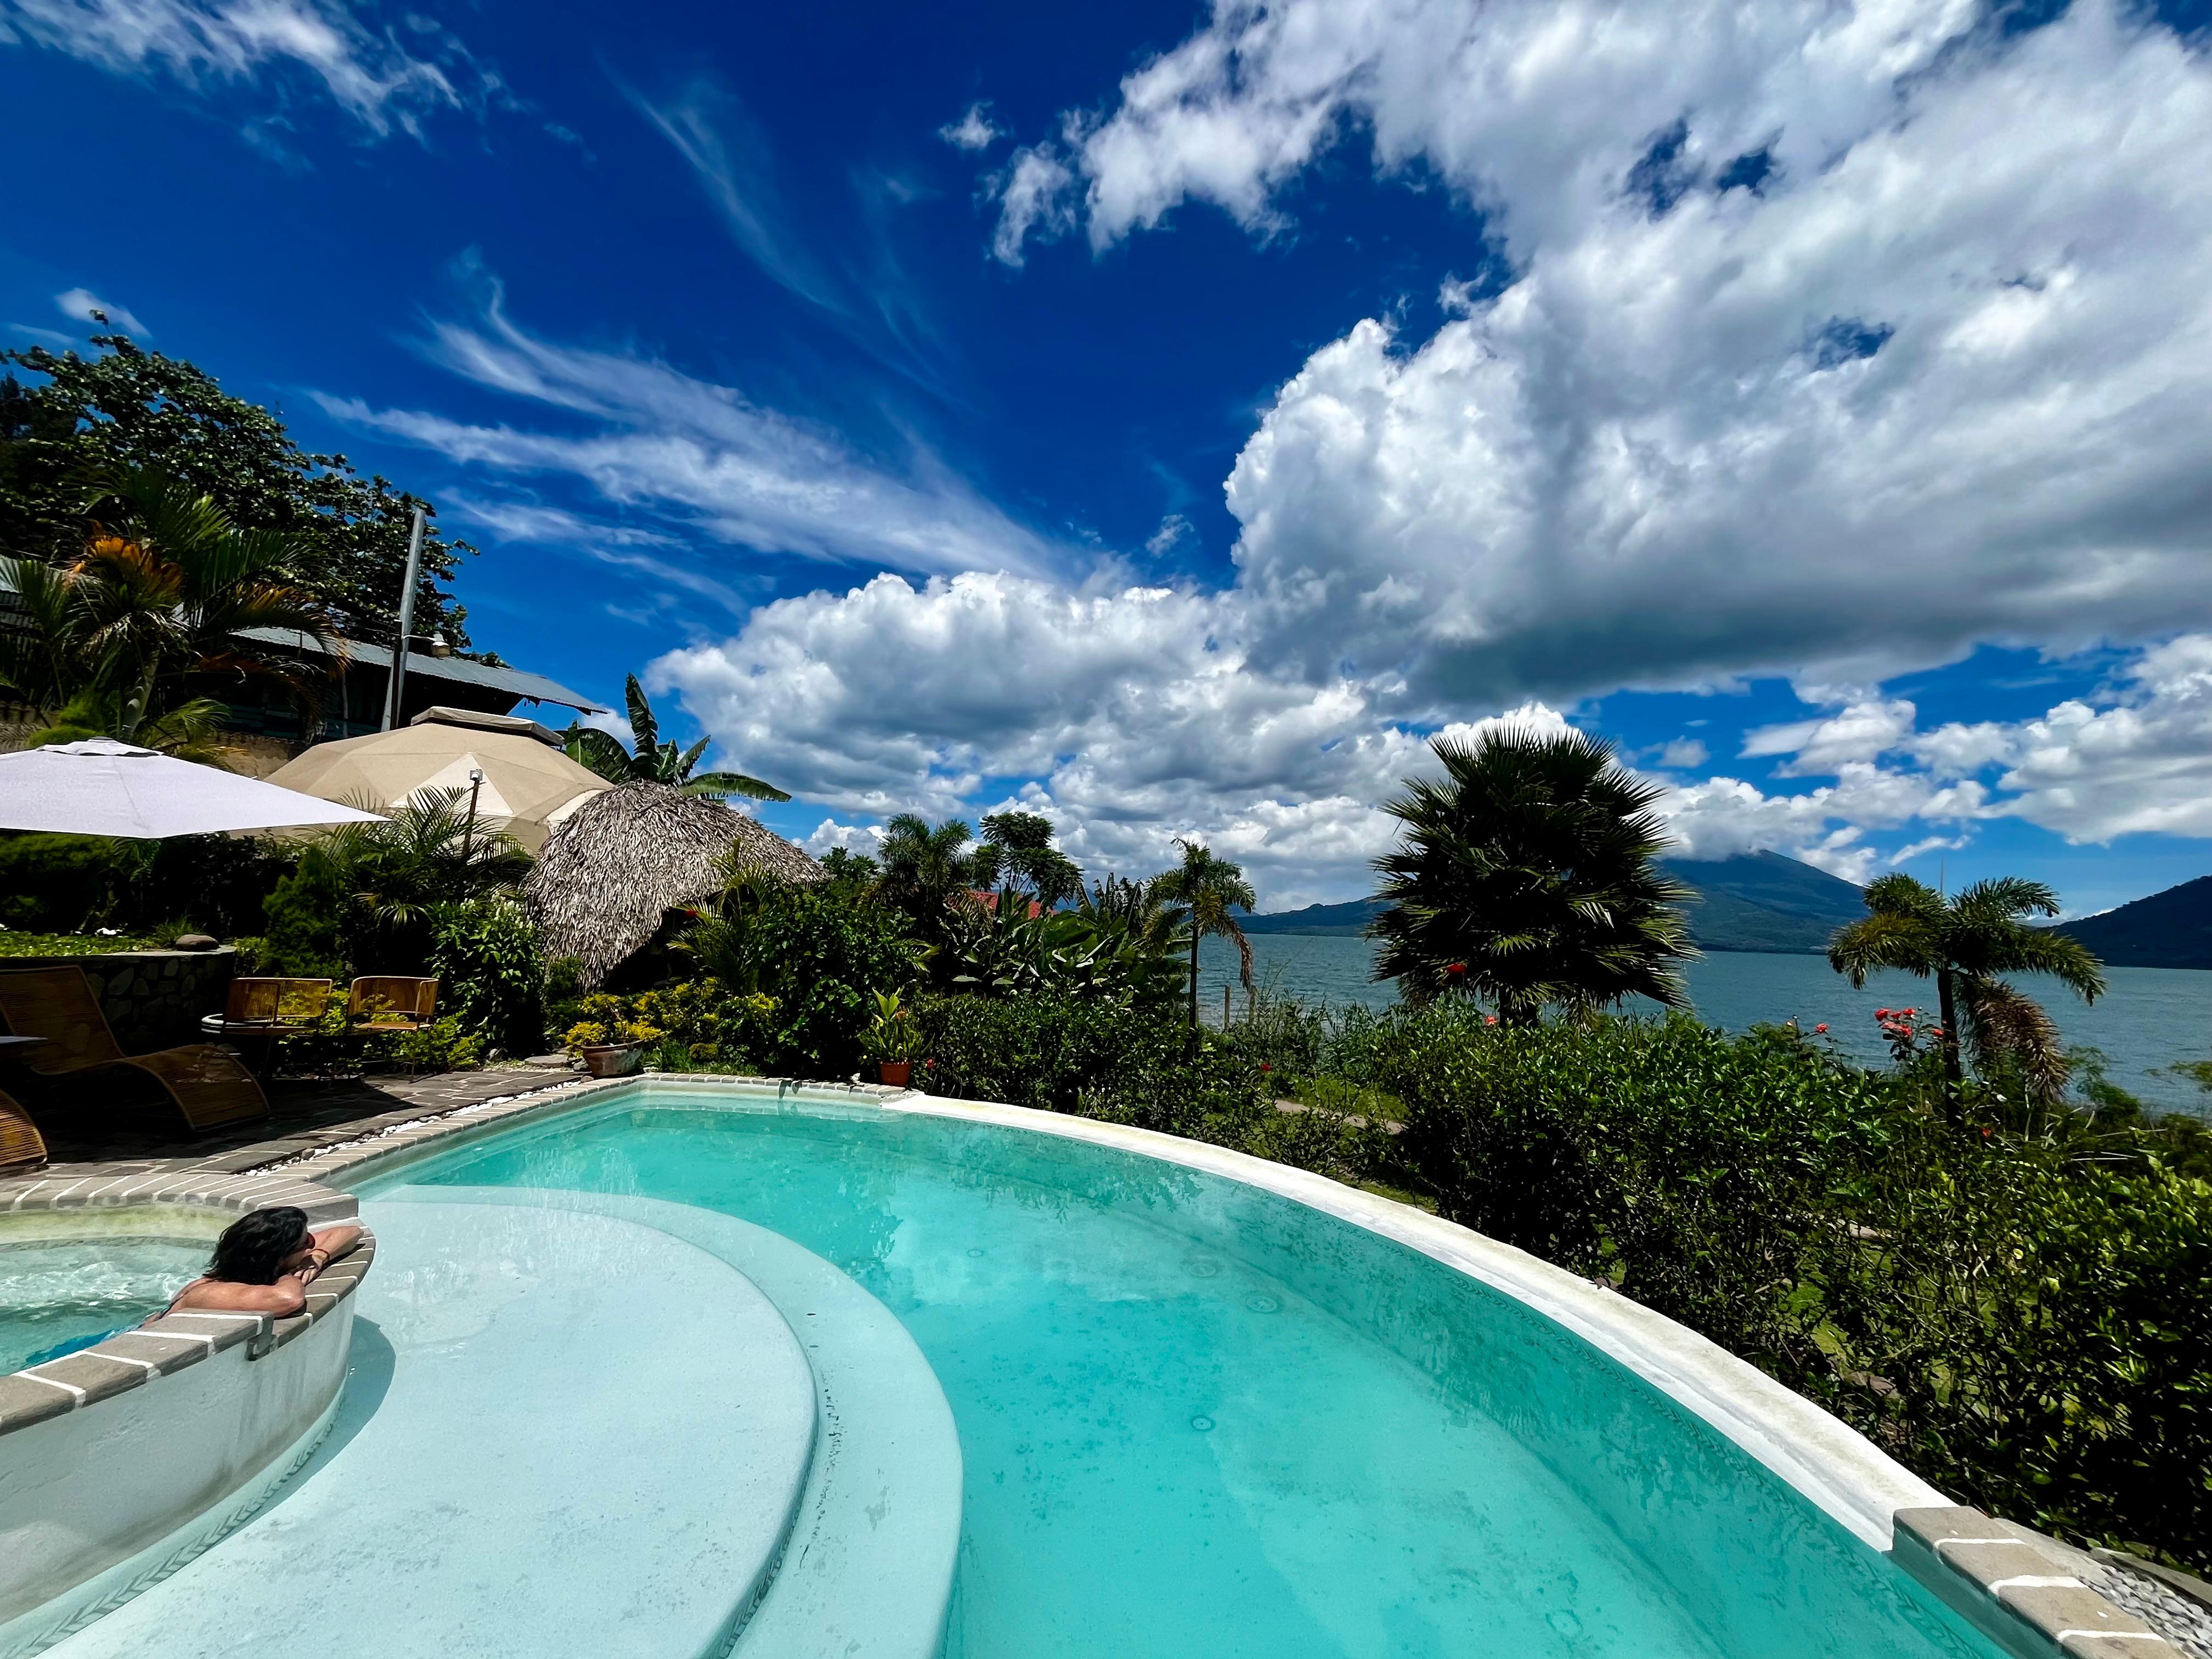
[[57, 1296], [1200, 1419]]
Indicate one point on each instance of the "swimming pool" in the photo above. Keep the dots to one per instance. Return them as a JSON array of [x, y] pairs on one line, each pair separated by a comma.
[[1199, 1418], [58, 1295], [1119, 1404]]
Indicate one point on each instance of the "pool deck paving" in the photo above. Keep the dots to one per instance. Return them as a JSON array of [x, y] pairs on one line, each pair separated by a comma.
[[304, 1117]]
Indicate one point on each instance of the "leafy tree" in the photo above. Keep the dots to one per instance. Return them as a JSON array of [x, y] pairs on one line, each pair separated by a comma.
[[164, 586], [1964, 942], [128, 407], [652, 760], [1527, 875], [1017, 853], [852, 874], [1205, 890]]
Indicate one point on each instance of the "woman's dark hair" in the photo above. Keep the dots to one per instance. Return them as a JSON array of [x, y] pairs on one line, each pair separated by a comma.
[[254, 1246]]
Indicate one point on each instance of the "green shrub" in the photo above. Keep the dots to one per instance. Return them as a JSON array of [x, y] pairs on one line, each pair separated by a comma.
[[2025, 1327], [820, 957], [1126, 1065], [491, 975], [304, 931], [53, 883]]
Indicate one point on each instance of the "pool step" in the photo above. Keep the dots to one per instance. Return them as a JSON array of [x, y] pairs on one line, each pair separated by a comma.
[[562, 1434], [868, 1571]]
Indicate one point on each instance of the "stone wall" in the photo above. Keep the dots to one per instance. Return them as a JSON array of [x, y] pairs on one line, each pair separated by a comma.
[[152, 998]]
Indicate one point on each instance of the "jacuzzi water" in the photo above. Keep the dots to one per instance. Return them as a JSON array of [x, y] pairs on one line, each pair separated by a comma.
[[61, 1294], [1197, 1419]]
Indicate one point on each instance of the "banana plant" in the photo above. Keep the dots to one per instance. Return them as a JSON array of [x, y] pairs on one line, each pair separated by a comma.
[[651, 761]]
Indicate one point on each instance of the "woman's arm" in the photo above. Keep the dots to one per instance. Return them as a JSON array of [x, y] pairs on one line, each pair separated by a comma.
[[287, 1296], [330, 1243]]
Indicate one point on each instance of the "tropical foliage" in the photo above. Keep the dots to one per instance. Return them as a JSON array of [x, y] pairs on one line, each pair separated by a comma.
[[1966, 943], [651, 761], [1202, 895], [162, 586], [364, 898], [1087, 954], [818, 956], [65, 416], [925, 868], [1527, 876]]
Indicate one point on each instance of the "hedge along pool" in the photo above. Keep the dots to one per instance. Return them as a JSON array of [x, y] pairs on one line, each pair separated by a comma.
[[1199, 1418]]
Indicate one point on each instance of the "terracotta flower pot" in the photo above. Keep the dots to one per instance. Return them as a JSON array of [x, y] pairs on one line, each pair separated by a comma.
[[613, 1059], [896, 1071]]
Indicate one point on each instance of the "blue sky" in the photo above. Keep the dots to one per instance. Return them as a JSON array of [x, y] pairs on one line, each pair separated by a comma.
[[1170, 417]]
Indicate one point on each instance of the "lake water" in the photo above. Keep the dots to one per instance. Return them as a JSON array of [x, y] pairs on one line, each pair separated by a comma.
[[2150, 1017]]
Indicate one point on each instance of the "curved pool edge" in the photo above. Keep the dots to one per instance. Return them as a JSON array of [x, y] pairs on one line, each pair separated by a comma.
[[1965, 1558]]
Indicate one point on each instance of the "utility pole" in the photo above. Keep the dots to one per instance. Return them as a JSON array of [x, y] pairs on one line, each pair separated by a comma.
[[394, 685]]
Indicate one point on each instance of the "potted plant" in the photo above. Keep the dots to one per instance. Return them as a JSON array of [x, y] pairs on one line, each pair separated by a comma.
[[609, 1047], [891, 1039]]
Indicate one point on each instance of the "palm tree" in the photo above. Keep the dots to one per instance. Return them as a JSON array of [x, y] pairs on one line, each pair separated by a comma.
[[651, 761], [925, 869], [1527, 875], [1206, 889], [1963, 943], [164, 586]]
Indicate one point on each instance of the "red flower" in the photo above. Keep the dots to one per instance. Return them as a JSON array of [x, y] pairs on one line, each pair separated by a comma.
[[928, 1065], [1882, 1013], [1490, 1019], [1267, 1065], [1819, 1030], [1455, 970]]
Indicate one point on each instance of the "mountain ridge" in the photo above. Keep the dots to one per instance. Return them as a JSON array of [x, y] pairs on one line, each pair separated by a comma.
[[1759, 901], [2168, 929]]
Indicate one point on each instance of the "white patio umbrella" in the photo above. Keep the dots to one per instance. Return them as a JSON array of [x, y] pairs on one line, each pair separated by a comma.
[[103, 787]]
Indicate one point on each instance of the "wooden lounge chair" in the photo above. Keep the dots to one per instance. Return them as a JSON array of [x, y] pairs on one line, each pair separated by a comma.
[[23, 1148], [210, 1087], [392, 1003]]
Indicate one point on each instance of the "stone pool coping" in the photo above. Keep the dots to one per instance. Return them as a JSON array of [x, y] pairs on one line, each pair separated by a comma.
[[137, 1206], [2031, 1593]]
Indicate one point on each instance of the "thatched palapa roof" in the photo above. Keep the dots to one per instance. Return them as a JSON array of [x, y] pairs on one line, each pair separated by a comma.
[[623, 859]]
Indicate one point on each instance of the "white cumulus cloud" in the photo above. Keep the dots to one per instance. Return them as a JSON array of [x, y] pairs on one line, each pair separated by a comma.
[[1837, 339]]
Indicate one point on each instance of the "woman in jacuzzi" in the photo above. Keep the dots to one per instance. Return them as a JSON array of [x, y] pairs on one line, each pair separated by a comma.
[[263, 1263]]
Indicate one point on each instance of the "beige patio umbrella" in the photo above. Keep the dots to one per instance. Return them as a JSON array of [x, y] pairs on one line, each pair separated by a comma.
[[529, 784]]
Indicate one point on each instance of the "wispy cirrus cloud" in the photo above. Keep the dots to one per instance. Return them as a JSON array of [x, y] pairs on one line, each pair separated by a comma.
[[729, 155], [360, 63], [704, 460]]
